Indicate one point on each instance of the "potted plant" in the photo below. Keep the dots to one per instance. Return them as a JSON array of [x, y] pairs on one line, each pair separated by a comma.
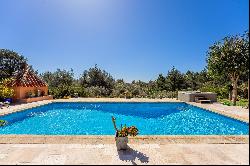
[[121, 136], [29, 94]]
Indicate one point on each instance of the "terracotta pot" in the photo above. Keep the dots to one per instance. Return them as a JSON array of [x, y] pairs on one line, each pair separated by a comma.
[[121, 143]]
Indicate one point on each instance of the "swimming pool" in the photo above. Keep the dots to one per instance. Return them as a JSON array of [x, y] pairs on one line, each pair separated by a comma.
[[89, 118]]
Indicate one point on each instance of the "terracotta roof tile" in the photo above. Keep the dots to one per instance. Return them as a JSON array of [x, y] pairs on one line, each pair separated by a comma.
[[27, 78]]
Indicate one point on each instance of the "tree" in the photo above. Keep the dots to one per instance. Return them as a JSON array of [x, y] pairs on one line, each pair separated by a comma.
[[230, 59], [161, 82], [60, 82], [191, 80], [137, 89], [97, 78], [175, 80], [10, 63]]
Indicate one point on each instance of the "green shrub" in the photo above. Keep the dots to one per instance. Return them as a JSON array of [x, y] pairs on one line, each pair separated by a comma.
[[222, 91], [240, 102], [97, 91], [79, 90], [5, 91], [243, 90]]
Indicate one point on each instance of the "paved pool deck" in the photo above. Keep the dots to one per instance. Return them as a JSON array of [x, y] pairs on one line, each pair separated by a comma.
[[99, 154], [236, 112]]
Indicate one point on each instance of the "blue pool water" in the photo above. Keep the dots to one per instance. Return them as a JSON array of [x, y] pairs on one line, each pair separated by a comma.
[[95, 119]]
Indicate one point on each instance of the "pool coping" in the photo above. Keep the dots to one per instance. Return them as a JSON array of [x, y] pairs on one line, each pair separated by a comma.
[[108, 139]]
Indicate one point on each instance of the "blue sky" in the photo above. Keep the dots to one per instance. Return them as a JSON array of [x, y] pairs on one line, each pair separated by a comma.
[[131, 39]]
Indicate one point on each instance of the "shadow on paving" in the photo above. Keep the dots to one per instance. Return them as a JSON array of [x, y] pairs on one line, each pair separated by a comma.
[[130, 155]]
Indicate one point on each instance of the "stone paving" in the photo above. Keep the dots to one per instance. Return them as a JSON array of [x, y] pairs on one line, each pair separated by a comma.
[[107, 139], [137, 154]]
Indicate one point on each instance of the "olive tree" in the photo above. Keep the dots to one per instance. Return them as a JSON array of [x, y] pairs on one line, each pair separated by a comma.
[[230, 58]]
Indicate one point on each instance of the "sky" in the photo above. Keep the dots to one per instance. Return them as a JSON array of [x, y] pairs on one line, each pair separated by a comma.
[[130, 39]]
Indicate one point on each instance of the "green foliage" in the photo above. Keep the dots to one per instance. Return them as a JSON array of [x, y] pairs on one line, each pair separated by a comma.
[[97, 82], [161, 83], [175, 80], [5, 91], [60, 83], [191, 80], [241, 102], [97, 91], [243, 90], [230, 59], [163, 94], [76, 88], [227, 102], [128, 94], [3, 123], [120, 88], [10, 63], [222, 91], [137, 89]]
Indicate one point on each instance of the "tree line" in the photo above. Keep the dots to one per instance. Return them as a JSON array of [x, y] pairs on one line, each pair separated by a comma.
[[226, 74], [95, 82]]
